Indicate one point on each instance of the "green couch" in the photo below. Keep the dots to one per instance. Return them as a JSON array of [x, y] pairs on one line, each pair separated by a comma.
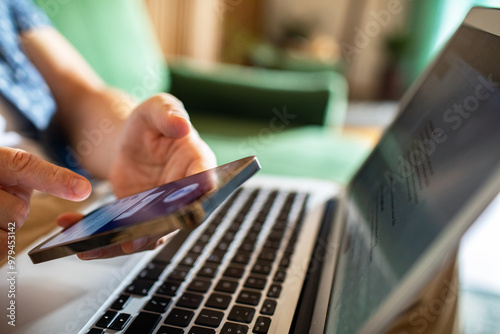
[[290, 120]]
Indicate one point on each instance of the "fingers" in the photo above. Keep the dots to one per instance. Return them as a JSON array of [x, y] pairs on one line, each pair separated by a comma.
[[129, 247], [12, 210], [18, 167], [204, 160], [166, 114], [69, 219], [138, 245]]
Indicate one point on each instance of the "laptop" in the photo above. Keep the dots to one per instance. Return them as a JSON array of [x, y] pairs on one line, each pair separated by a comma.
[[307, 256]]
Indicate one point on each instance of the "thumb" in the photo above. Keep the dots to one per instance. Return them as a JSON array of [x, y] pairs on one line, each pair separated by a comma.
[[165, 114]]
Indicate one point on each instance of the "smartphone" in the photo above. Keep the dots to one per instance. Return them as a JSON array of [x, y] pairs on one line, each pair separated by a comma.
[[182, 204]]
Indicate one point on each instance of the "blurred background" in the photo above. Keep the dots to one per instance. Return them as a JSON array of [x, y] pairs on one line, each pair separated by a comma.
[[379, 45], [307, 86]]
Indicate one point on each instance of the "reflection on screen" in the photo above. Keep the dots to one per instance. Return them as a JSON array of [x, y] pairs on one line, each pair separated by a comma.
[[425, 168]]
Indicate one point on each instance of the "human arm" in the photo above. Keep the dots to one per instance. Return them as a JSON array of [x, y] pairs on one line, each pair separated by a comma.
[[153, 141], [144, 145]]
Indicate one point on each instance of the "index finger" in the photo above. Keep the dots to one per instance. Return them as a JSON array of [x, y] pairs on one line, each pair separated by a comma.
[[18, 167]]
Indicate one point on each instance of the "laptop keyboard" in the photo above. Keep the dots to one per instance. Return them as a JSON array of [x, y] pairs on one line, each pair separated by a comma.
[[228, 281]]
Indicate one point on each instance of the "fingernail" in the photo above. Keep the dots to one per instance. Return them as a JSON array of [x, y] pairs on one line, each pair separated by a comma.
[[137, 244], [80, 187], [92, 254]]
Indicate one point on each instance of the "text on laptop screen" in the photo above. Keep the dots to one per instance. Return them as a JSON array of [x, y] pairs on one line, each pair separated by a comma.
[[431, 161]]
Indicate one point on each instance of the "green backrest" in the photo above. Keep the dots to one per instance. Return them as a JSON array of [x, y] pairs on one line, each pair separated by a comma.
[[116, 38], [254, 93]]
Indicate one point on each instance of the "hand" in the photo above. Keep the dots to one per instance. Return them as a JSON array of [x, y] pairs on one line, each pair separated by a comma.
[[147, 243], [20, 174], [158, 145]]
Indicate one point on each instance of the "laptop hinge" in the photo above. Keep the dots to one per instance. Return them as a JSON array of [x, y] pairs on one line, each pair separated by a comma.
[[305, 307]]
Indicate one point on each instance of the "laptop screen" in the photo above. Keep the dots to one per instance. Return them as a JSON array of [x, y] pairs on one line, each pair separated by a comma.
[[431, 161]]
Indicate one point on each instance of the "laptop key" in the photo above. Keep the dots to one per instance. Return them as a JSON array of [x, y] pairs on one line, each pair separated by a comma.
[[218, 300], [232, 328], [273, 244], [120, 302], [234, 271], [248, 297], [199, 285], [267, 254], [274, 291], [120, 322], [169, 330], [95, 331], [234, 227], [201, 330], [275, 235], [223, 246], [190, 300], [254, 282], [168, 288], [290, 248], [157, 304], [198, 247], [216, 257], [209, 318], [189, 259], [262, 325], [228, 236], [256, 226], [280, 276], [285, 261], [268, 307], [247, 247], [179, 317], [280, 225], [144, 323], [152, 271], [208, 270], [106, 319], [241, 257], [140, 287], [241, 314], [205, 237], [179, 273], [226, 285], [252, 235], [262, 267]]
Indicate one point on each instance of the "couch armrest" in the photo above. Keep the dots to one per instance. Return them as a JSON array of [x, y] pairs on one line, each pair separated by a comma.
[[231, 90]]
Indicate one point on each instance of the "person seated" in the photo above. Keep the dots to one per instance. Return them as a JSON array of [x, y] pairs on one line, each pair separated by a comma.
[[45, 85]]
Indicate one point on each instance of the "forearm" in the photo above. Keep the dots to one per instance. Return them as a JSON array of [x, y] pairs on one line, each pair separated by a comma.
[[90, 113], [94, 125]]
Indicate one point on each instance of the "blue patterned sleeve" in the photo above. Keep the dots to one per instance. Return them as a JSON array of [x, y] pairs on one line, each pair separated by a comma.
[[27, 15]]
